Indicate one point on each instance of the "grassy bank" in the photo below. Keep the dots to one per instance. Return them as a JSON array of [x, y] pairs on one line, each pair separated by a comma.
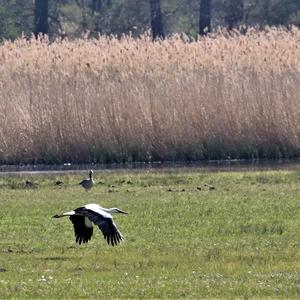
[[187, 235], [110, 100]]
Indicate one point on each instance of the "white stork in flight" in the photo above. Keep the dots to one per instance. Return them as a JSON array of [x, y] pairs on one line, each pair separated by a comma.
[[83, 217]]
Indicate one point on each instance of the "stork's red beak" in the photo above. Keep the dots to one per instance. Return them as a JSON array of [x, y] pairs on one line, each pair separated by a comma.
[[122, 212]]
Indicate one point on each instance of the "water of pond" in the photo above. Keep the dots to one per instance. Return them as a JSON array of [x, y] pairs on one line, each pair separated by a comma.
[[207, 166]]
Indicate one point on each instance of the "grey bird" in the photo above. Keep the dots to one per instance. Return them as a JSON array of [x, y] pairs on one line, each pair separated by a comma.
[[84, 217], [88, 183]]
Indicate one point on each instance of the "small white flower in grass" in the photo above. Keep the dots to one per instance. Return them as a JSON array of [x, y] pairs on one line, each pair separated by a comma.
[[42, 279]]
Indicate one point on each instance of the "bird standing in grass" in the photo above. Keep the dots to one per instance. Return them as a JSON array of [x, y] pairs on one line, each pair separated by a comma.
[[88, 183], [84, 217]]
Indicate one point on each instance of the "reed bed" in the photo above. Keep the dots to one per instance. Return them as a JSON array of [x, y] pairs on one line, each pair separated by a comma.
[[122, 100]]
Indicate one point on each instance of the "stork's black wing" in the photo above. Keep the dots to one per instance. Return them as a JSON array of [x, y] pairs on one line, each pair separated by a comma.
[[83, 181], [106, 224], [83, 232]]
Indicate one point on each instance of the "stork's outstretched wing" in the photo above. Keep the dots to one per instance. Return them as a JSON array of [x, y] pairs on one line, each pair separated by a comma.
[[83, 228], [83, 181], [105, 223]]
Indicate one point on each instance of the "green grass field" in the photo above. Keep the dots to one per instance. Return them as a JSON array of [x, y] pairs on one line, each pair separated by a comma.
[[187, 235]]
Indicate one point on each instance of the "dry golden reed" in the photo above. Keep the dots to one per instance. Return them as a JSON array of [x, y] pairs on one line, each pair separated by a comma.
[[115, 100]]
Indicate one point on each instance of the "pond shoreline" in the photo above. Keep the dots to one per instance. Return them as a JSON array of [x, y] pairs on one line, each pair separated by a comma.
[[208, 166]]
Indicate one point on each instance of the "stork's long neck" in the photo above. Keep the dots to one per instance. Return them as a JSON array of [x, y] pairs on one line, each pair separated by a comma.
[[114, 210], [110, 210]]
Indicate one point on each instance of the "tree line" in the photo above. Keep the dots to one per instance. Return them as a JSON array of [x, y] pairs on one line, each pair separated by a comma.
[[161, 17]]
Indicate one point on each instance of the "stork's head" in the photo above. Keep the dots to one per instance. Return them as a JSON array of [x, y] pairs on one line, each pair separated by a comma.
[[91, 173], [117, 210]]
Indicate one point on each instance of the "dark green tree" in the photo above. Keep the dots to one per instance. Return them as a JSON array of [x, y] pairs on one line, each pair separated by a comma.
[[41, 15], [205, 17], [8, 26], [156, 19], [280, 12], [234, 13]]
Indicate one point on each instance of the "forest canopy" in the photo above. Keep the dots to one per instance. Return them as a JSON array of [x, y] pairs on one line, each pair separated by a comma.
[[72, 18]]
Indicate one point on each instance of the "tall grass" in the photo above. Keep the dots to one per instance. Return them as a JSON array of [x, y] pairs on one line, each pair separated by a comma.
[[114, 100]]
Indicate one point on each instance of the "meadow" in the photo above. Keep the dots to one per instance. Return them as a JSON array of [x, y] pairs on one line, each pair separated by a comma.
[[188, 234], [104, 100]]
